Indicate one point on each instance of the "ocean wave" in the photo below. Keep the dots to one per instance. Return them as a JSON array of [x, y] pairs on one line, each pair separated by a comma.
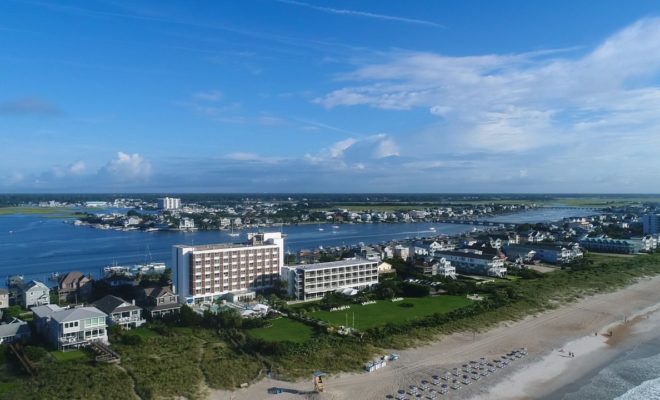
[[648, 390]]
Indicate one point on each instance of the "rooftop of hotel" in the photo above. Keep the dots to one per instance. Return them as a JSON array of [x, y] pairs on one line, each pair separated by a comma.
[[333, 264]]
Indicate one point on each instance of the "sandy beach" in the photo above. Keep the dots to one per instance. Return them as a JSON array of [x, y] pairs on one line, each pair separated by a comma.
[[582, 328]]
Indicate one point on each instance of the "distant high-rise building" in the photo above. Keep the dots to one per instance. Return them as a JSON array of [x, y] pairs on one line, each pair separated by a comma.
[[206, 272], [651, 224], [169, 203]]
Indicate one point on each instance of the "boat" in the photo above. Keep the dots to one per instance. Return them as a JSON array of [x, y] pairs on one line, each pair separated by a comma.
[[432, 229], [335, 226], [232, 233], [320, 229], [55, 276]]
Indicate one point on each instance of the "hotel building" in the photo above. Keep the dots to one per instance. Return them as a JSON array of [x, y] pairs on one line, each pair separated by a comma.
[[313, 281], [206, 272]]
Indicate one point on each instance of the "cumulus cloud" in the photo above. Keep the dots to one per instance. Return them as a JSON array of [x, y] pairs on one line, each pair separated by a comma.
[[127, 168]]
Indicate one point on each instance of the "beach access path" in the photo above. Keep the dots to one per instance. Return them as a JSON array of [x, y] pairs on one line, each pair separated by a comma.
[[542, 334]]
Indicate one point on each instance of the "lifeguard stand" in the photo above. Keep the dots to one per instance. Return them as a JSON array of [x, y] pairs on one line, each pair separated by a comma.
[[318, 381]]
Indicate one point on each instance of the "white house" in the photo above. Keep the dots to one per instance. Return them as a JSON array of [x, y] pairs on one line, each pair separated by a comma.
[[34, 293], [70, 328]]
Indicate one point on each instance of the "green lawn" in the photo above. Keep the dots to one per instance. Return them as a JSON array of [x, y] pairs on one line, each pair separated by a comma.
[[68, 355], [281, 330], [385, 311], [144, 333]]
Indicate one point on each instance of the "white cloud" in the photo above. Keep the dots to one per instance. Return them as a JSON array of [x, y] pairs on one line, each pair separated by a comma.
[[337, 149], [77, 168], [208, 96], [128, 167], [513, 103]]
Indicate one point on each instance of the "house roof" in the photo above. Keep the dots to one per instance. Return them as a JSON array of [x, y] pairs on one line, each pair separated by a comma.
[[110, 303], [157, 291], [45, 310], [13, 328], [77, 313], [71, 277], [466, 254], [34, 284]]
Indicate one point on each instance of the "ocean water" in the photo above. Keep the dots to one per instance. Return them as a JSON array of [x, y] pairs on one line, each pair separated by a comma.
[[633, 375]]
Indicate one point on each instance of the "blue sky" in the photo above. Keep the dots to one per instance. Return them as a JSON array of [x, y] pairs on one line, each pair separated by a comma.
[[320, 96]]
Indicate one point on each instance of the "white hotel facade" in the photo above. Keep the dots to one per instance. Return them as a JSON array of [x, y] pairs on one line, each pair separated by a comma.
[[313, 281], [204, 273]]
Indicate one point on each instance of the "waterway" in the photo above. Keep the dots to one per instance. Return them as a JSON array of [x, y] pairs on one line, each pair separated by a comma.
[[35, 246]]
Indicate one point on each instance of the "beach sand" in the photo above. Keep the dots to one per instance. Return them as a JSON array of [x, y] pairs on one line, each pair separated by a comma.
[[569, 328]]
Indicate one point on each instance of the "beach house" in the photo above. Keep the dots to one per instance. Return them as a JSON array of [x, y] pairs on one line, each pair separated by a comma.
[[71, 327]]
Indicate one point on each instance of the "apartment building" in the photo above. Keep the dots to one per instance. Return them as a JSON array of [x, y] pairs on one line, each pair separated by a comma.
[[169, 203], [313, 281], [204, 273]]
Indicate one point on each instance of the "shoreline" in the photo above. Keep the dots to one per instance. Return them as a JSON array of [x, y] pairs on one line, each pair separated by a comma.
[[570, 326], [556, 369]]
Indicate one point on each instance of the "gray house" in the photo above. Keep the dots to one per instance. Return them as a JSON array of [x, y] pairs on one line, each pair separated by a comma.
[[34, 293], [72, 327], [4, 300], [120, 312], [158, 301], [14, 331]]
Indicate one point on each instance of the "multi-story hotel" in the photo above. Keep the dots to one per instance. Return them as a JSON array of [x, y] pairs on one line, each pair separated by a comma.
[[204, 273], [313, 281]]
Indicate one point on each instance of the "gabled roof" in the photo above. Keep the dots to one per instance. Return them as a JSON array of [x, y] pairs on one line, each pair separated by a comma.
[[110, 303], [77, 313], [158, 291], [34, 284], [45, 310], [14, 328], [71, 277]]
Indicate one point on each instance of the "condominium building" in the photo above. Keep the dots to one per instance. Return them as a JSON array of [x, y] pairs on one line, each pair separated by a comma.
[[206, 272], [169, 203], [313, 281]]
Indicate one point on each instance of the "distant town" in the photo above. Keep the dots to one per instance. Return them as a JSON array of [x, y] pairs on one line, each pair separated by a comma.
[[256, 288]]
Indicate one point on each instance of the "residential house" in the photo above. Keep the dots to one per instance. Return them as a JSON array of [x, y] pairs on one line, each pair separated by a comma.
[[74, 286], [436, 267], [472, 262], [4, 299], [158, 301], [402, 252], [622, 246], [34, 293], [14, 331], [369, 253], [72, 327], [548, 253], [120, 312]]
